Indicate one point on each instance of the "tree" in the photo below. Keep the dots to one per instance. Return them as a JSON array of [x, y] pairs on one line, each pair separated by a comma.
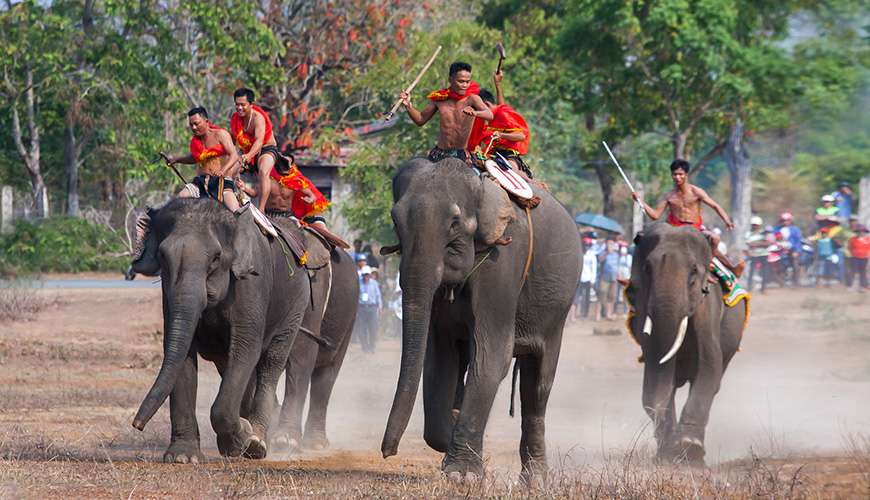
[[33, 38]]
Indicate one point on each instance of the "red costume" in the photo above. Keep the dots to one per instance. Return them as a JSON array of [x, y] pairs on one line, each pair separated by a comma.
[[297, 182], [201, 153], [698, 224], [447, 94], [505, 119], [237, 126]]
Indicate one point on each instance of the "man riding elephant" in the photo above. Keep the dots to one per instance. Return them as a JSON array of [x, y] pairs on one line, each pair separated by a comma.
[[457, 105]]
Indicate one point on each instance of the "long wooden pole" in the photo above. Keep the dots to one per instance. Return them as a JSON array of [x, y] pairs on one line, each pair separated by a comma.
[[408, 90]]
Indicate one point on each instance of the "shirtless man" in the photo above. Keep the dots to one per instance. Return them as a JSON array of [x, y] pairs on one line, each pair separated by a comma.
[[216, 159], [252, 131], [457, 105], [684, 209]]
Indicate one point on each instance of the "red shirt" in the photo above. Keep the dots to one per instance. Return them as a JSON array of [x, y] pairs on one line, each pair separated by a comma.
[[860, 247]]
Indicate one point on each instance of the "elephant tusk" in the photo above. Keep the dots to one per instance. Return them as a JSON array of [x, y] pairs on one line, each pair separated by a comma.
[[681, 334], [647, 326]]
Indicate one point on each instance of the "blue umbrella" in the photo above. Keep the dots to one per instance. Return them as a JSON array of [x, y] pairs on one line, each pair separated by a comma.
[[598, 221]]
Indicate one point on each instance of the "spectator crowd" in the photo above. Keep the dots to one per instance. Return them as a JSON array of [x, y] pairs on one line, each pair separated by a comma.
[[833, 249]]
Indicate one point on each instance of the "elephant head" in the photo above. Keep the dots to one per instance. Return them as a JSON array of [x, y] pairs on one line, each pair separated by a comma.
[[668, 280], [197, 247], [440, 213]]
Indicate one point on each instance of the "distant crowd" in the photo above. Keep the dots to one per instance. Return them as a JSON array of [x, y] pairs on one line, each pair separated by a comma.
[[831, 251]]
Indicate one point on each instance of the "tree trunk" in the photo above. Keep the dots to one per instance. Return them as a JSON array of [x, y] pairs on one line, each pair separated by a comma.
[[741, 184], [864, 203], [71, 159], [30, 156], [605, 179], [637, 213], [679, 142]]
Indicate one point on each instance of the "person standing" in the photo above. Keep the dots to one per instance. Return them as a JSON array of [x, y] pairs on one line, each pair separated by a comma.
[[859, 247], [369, 309], [609, 270], [792, 236], [843, 199], [757, 241], [588, 276]]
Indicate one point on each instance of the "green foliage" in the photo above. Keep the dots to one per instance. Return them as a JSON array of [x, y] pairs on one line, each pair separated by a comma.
[[61, 244]]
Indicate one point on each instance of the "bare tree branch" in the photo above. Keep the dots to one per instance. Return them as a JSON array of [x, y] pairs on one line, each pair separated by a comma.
[[709, 156]]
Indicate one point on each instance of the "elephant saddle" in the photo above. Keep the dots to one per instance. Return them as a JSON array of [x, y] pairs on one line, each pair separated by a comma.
[[310, 249]]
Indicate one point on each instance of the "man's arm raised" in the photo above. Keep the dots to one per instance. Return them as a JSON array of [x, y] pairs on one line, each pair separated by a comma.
[[705, 198], [418, 117], [499, 95]]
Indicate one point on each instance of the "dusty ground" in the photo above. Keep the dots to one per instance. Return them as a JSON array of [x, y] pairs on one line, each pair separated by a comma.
[[792, 417]]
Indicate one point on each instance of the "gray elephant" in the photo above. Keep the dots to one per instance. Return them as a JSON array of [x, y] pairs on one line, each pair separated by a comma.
[[469, 306], [685, 331], [316, 364], [233, 296]]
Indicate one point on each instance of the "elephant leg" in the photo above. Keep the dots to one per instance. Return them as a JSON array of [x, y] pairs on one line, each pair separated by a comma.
[[184, 443], [269, 369], [322, 382], [696, 411], [441, 379], [300, 364], [659, 389], [537, 373], [235, 434], [492, 353]]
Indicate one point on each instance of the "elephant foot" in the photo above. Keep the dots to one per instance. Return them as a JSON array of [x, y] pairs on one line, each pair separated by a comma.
[[462, 471], [534, 476], [183, 452], [316, 441], [691, 450], [283, 443], [243, 442]]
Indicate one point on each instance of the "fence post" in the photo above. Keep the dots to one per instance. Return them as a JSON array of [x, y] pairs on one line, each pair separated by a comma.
[[6, 213]]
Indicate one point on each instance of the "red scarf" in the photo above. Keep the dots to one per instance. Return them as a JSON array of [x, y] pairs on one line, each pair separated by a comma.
[[297, 182], [244, 140], [447, 94], [505, 119], [200, 152]]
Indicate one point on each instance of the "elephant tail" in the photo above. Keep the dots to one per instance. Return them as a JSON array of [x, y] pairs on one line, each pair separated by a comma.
[[514, 385]]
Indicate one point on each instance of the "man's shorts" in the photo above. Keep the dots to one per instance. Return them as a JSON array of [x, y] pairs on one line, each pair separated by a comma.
[[210, 186], [282, 162], [437, 154], [289, 214]]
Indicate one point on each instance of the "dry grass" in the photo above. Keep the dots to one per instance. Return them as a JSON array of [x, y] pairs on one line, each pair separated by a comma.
[[18, 302], [44, 468]]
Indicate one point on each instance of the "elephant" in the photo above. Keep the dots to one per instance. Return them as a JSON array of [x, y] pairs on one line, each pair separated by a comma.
[[233, 296], [685, 331], [317, 364], [474, 296]]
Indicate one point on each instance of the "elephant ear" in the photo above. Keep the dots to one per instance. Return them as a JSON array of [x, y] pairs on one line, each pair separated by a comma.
[[494, 211], [147, 264], [244, 241]]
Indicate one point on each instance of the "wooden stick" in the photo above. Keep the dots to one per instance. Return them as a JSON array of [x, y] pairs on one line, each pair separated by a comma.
[[408, 90]]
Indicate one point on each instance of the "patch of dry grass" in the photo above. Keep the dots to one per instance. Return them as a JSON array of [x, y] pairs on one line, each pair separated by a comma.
[[18, 302]]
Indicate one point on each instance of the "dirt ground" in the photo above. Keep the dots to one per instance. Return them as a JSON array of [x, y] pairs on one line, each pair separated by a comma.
[[791, 419]]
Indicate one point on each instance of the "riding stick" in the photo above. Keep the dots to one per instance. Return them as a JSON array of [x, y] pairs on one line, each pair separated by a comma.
[[625, 177], [408, 90], [170, 165]]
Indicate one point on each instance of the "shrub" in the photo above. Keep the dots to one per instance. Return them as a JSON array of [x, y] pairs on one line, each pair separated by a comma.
[[61, 244]]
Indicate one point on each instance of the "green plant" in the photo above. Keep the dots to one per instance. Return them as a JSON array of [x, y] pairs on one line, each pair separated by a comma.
[[61, 244]]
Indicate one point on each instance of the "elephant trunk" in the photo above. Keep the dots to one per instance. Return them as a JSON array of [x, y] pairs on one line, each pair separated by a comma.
[[181, 318], [416, 312]]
